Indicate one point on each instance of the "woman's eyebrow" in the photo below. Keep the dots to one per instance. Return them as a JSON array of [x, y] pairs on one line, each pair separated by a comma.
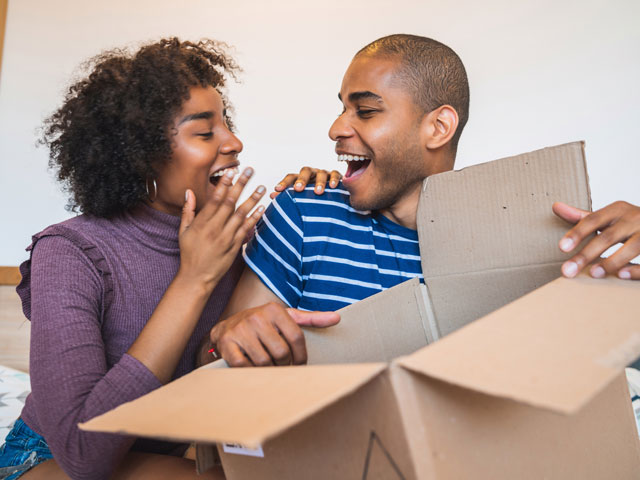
[[197, 116]]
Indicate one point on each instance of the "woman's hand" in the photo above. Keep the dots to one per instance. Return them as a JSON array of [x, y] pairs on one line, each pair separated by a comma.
[[211, 239], [617, 223], [306, 175], [209, 243]]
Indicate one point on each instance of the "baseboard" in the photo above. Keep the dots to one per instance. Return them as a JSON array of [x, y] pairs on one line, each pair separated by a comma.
[[9, 276]]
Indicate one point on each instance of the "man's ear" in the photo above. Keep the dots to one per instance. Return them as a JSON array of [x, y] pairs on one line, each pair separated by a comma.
[[438, 127]]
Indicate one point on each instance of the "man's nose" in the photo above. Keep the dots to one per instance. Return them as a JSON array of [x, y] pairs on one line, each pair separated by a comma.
[[340, 128]]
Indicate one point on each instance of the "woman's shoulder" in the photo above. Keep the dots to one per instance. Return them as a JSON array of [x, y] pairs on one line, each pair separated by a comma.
[[72, 238], [79, 229], [79, 234]]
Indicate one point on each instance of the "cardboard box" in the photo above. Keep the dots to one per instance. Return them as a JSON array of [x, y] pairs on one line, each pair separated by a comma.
[[533, 390], [487, 237]]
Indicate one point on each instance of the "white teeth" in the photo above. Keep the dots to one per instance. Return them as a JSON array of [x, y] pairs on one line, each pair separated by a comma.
[[351, 158], [220, 173]]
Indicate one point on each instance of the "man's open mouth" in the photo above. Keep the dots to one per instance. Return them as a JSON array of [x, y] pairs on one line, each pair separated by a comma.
[[217, 175], [357, 164]]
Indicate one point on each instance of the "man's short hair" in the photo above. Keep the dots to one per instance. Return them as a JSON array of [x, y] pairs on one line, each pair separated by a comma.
[[432, 71]]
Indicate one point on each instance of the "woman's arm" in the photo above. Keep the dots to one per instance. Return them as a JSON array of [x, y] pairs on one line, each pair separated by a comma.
[[209, 243], [70, 379]]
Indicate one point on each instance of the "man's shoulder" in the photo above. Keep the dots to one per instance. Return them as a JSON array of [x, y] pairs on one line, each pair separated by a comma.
[[338, 194], [334, 203]]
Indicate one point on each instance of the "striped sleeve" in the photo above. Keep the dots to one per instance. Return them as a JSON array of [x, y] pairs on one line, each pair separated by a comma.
[[275, 252]]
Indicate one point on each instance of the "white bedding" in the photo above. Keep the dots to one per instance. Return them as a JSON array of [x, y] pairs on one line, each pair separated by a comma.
[[14, 388]]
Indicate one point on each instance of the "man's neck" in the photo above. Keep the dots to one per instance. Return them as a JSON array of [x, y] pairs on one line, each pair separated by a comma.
[[404, 211]]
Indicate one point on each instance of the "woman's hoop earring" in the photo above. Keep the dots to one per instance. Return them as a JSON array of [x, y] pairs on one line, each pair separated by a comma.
[[155, 189]]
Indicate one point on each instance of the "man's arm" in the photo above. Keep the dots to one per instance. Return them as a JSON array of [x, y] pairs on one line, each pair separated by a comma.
[[617, 223], [257, 328], [250, 292]]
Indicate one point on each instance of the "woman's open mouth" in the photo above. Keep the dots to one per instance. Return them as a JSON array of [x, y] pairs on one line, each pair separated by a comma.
[[217, 175], [356, 164]]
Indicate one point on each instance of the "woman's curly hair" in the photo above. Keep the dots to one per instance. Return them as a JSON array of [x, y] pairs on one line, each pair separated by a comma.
[[114, 126]]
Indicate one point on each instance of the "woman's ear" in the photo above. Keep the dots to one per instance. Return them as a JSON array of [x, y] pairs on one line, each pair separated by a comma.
[[438, 127]]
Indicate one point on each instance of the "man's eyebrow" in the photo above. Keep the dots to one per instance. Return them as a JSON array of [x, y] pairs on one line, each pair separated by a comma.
[[197, 116], [366, 95]]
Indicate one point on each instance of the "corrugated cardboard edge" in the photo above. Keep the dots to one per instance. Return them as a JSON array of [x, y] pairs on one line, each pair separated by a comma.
[[205, 383], [604, 368], [586, 174]]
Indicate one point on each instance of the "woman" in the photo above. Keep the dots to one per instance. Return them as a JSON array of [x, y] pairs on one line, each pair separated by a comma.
[[120, 297]]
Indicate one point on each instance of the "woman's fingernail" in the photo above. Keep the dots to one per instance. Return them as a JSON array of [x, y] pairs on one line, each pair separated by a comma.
[[624, 274], [230, 173], [598, 272], [248, 172], [569, 269], [298, 184], [261, 208], [318, 188], [333, 183], [566, 244], [260, 189]]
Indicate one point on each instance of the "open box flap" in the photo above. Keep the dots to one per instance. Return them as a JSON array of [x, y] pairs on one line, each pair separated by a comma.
[[366, 328], [245, 406], [488, 234], [555, 348], [498, 214]]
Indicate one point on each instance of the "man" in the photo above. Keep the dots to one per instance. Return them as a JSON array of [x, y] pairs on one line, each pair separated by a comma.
[[406, 101]]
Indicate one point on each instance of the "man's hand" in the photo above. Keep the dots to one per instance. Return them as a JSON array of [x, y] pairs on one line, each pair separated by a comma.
[[267, 335], [617, 223]]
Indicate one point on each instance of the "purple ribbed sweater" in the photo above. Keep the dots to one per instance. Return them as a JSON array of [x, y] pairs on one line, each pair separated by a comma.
[[89, 288]]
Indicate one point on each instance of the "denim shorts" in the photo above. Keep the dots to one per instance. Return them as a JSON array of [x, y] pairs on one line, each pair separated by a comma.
[[23, 449]]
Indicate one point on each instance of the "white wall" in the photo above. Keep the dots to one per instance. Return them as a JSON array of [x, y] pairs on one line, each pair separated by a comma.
[[542, 72]]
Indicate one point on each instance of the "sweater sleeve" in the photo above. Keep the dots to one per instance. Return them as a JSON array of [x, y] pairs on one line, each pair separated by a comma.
[[70, 379]]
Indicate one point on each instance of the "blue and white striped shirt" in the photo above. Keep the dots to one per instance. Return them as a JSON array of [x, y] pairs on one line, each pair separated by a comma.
[[318, 253]]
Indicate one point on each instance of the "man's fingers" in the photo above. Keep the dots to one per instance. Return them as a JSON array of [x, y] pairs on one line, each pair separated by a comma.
[[277, 348], [188, 211], [254, 348], [294, 337], [631, 272], [569, 213], [591, 251], [614, 214], [233, 355], [621, 258], [598, 220], [314, 319]]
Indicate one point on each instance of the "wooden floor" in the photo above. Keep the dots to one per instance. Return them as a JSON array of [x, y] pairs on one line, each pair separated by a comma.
[[14, 331]]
